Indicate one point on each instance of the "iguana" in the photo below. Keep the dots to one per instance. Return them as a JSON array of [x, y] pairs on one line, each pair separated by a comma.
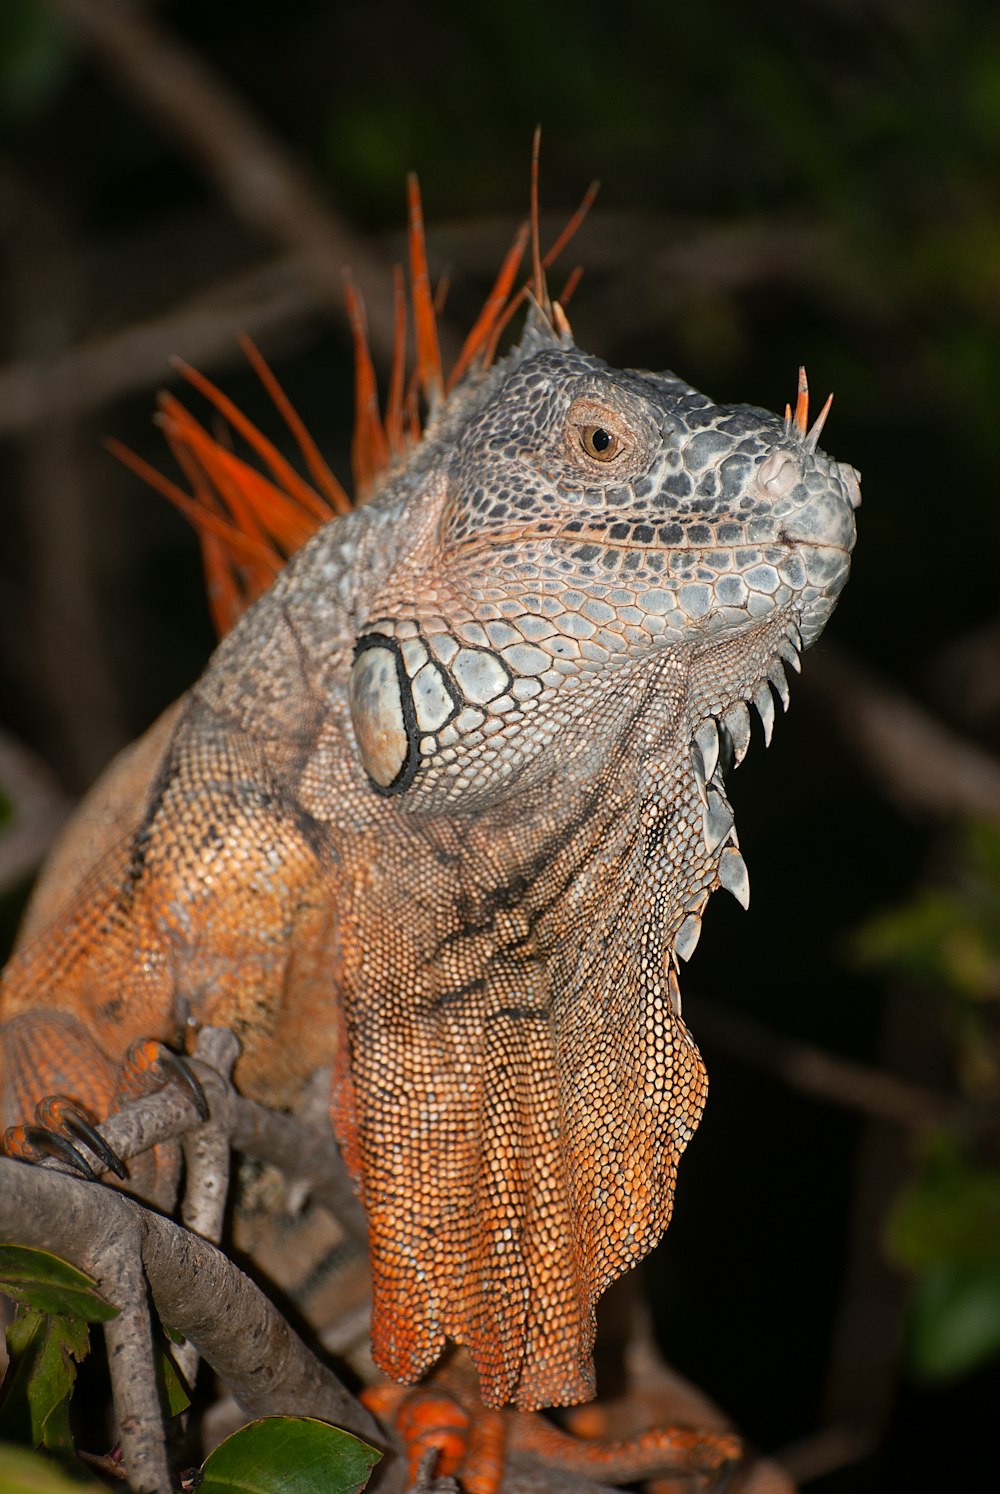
[[444, 811]]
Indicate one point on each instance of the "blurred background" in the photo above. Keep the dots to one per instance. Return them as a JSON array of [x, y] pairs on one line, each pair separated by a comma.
[[815, 183]]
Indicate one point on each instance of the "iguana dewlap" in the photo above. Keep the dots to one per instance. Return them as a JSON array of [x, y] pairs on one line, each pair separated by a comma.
[[444, 810]]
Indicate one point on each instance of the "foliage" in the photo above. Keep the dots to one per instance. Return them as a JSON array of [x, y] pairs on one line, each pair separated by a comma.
[[945, 1229], [47, 1338], [945, 1226], [24, 1472], [288, 1455], [948, 937], [35, 55]]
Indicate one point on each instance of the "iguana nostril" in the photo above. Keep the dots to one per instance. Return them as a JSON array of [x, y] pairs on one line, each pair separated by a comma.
[[778, 474]]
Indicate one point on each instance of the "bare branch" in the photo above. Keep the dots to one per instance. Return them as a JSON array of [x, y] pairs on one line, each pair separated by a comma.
[[922, 765], [262, 184], [828, 1450], [206, 328], [197, 1291], [131, 1361], [871, 1092]]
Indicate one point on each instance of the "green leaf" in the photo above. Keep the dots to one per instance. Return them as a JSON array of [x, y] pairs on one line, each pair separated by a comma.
[[45, 1350], [954, 1321], [288, 1455], [24, 1472], [937, 939], [42, 1280], [949, 1215], [947, 937], [36, 48], [173, 1391]]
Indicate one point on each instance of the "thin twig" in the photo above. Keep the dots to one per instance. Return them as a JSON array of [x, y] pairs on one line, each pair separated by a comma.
[[867, 1091], [205, 327], [828, 1451], [261, 182], [921, 764], [131, 1361]]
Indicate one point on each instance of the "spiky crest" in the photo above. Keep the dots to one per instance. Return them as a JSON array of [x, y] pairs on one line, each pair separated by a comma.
[[250, 522]]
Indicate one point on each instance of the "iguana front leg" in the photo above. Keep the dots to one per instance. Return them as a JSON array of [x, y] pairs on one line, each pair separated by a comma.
[[202, 904]]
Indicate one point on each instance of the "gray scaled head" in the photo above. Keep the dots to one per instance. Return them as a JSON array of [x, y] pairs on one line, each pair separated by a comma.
[[585, 520]]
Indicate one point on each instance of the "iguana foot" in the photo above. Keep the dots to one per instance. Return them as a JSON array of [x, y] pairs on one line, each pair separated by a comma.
[[444, 1437], [61, 1128], [53, 1072], [664, 1450], [149, 1066]]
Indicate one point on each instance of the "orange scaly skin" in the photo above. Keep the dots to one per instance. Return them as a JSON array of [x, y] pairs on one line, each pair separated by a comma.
[[443, 813]]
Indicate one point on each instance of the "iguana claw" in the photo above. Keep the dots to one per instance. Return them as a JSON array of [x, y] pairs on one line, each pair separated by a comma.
[[149, 1065], [60, 1116], [60, 1124], [33, 1143]]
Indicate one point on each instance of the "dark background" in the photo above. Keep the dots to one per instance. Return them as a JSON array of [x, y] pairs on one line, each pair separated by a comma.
[[781, 184]]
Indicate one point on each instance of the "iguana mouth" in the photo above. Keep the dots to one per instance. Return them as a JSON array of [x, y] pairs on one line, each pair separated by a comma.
[[580, 534]]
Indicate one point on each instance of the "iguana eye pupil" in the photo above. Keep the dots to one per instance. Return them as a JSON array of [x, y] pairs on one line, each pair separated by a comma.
[[599, 443]]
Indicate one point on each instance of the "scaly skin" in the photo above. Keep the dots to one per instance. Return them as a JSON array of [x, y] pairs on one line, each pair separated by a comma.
[[444, 811]]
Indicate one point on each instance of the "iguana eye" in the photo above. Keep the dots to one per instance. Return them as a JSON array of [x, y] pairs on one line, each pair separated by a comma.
[[603, 445], [596, 432]]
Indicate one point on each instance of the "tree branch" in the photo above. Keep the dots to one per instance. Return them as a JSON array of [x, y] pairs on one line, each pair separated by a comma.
[[196, 1289], [262, 184], [206, 327], [824, 1076], [920, 763]]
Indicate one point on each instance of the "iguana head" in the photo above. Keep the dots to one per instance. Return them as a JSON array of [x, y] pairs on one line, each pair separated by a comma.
[[585, 520]]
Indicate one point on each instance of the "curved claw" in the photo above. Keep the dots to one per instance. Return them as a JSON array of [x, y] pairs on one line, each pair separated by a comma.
[[31, 1143], [154, 1064], [58, 1114]]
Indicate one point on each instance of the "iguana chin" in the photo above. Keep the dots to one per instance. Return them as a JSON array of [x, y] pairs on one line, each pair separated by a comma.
[[444, 811]]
